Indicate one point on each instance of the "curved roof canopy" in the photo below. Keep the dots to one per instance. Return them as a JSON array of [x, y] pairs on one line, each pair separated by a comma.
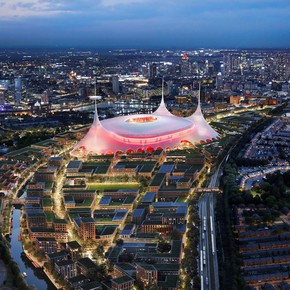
[[141, 132]]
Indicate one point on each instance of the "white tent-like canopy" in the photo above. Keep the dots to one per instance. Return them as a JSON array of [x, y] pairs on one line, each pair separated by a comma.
[[144, 132]]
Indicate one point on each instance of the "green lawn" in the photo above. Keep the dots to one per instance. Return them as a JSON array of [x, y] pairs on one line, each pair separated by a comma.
[[181, 199], [86, 202], [110, 186], [254, 193], [49, 215]]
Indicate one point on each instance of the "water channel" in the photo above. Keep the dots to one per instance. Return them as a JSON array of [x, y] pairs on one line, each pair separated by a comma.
[[35, 277]]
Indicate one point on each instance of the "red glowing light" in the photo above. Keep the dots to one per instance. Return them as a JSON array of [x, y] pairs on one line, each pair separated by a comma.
[[129, 151], [150, 149]]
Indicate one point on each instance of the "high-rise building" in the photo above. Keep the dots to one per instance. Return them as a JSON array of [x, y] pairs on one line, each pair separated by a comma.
[[233, 63], [219, 81], [2, 95], [173, 89], [144, 70], [17, 97], [206, 66], [195, 67], [45, 97], [153, 70], [18, 84], [227, 64], [185, 65], [235, 100], [5, 84], [281, 71], [82, 92], [18, 88], [177, 69], [115, 84], [210, 70], [222, 69]]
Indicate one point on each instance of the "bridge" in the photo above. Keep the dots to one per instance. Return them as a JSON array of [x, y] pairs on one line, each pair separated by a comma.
[[207, 189], [18, 201]]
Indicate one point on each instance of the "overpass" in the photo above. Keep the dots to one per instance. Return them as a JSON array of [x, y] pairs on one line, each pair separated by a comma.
[[207, 189]]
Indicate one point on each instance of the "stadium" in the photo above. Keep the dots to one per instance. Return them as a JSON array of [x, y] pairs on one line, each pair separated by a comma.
[[144, 132]]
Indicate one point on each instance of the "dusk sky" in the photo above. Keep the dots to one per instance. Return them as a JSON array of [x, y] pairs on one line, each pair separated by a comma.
[[145, 23]]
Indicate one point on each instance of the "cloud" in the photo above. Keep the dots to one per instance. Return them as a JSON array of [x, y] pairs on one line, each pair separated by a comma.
[[21, 9], [110, 3], [16, 9]]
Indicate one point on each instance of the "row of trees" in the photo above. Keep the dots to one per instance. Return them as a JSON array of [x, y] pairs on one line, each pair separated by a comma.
[[273, 190], [229, 261], [5, 255], [189, 262], [117, 178], [229, 257]]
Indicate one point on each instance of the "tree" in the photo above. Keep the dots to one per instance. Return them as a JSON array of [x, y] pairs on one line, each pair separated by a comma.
[[271, 201], [286, 177], [164, 247], [97, 273], [126, 257], [100, 251], [119, 242], [151, 287], [175, 235]]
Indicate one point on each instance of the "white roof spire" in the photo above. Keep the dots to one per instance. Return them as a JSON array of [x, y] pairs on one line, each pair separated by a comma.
[[162, 94], [162, 110], [198, 97], [96, 116]]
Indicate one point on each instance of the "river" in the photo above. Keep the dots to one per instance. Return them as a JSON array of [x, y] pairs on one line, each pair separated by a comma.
[[35, 277]]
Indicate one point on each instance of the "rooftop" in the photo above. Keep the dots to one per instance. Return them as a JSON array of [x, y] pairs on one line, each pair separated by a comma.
[[87, 263], [123, 279]]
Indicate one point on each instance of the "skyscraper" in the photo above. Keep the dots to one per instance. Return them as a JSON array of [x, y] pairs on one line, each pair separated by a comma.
[[219, 81], [44, 98], [115, 84], [228, 64], [5, 84], [185, 66], [18, 88], [2, 95], [153, 70], [18, 84], [173, 89]]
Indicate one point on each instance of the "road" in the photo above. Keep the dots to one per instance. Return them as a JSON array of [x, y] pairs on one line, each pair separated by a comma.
[[252, 177], [208, 262]]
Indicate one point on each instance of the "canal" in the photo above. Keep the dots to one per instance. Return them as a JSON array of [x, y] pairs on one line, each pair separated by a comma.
[[35, 277]]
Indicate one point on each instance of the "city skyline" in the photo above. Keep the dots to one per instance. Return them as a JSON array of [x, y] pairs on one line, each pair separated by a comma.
[[145, 24], [184, 165]]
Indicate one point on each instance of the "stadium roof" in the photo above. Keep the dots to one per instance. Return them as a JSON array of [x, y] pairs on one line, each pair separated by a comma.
[[145, 132]]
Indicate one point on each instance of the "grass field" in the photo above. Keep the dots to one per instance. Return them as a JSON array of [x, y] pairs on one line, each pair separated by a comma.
[[181, 199], [110, 186]]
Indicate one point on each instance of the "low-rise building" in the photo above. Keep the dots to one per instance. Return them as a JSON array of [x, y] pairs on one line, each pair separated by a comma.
[[147, 274], [46, 245], [84, 265], [122, 283], [66, 268], [87, 229]]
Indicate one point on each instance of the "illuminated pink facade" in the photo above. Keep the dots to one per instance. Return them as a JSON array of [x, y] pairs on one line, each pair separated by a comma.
[[145, 132]]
